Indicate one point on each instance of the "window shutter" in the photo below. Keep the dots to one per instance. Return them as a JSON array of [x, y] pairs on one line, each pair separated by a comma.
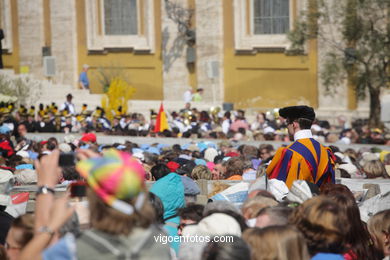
[[120, 17]]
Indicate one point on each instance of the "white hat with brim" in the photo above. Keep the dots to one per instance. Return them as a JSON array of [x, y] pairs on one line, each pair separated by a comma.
[[213, 225]]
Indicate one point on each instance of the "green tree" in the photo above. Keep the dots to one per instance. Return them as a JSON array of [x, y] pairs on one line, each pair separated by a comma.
[[357, 33]]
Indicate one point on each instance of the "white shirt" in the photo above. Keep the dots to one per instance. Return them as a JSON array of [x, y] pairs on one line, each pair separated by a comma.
[[187, 96], [302, 134], [70, 106], [225, 126]]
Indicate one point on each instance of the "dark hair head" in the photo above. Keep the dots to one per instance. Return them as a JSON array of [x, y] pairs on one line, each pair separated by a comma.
[[232, 250], [204, 116], [218, 159], [176, 148], [14, 160], [51, 144], [166, 133], [227, 114], [159, 170], [304, 123], [191, 211]]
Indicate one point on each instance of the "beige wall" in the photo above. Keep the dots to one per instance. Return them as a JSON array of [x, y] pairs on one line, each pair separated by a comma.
[[209, 37], [31, 35], [63, 40]]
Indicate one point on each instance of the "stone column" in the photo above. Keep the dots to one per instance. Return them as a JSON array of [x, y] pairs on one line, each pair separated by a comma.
[[64, 40], [209, 48], [31, 35]]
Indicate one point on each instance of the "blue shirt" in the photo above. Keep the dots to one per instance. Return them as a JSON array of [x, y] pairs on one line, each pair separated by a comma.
[[84, 79], [64, 249], [327, 256]]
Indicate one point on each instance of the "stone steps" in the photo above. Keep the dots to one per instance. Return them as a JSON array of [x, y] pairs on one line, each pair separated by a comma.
[[52, 92], [57, 93]]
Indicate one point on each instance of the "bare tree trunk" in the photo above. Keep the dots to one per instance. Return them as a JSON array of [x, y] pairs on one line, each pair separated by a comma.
[[375, 108]]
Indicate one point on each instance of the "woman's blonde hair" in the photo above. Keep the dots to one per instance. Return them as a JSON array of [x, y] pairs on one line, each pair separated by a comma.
[[276, 242], [201, 172], [375, 169], [109, 220], [379, 226], [323, 223]]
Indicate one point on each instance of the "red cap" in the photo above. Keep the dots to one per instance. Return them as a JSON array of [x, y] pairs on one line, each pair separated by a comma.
[[232, 154], [43, 142], [173, 166], [88, 138]]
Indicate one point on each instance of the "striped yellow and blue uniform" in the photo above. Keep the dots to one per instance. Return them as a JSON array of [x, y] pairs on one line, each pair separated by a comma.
[[305, 159]]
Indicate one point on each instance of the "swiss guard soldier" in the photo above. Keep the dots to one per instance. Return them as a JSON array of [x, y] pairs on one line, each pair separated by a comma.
[[304, 159]]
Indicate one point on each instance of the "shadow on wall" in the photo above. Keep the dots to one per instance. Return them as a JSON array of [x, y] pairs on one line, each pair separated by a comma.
[[171, 54]]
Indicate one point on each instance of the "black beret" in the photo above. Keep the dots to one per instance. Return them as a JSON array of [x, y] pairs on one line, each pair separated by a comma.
[[296, 112]]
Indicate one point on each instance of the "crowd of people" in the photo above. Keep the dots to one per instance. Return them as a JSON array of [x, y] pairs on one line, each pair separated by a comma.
[[130, 220], [189, 122]]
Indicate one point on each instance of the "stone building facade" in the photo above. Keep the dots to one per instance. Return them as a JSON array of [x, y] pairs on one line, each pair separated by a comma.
[[226, 47]]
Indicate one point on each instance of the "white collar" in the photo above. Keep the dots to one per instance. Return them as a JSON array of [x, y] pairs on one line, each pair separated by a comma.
[[302, 134]]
